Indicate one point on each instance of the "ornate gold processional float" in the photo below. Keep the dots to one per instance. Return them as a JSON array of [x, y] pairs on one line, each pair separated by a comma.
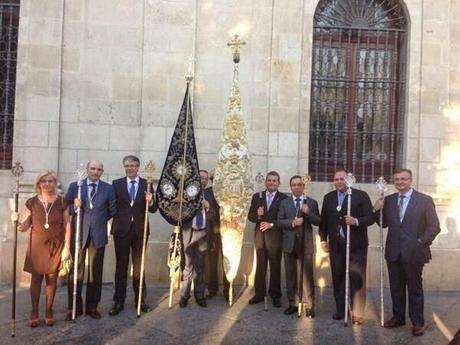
[[232, 184]]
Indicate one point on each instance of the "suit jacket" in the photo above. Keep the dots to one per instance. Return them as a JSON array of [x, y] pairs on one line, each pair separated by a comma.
[[93, 220], [270, 215], [212, 216], [125, 212], [413, 236], [286, 214], [332, 219]]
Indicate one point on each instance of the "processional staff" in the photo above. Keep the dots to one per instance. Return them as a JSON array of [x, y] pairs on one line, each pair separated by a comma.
[[381, 187], [175, 257], [306, 181], [349, 181], [259, 186], [17, 170], [149, 170], [81, 175]]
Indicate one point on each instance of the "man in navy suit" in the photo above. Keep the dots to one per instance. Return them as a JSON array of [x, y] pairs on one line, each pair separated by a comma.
[[97, 206], [268, 239], [296, 216], [332, 230], [412, 226], [128, 231]]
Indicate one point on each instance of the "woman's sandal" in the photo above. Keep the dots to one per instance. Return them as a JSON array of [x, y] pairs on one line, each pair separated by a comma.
[[33, 322], [49, 321]]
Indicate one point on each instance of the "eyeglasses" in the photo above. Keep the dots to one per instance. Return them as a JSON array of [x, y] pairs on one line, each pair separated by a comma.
[[401, 179]]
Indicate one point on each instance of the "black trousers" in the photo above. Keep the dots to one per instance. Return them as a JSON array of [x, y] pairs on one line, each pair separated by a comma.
[[213, 255], [357, 273], [268, 252], [131, 243], [293, 267], [408, 276], [94, 282]]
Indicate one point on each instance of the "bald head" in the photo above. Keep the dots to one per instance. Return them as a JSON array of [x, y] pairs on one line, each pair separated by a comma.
[[94, 170]]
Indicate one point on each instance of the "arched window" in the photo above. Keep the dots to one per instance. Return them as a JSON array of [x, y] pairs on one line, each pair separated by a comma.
[[9, 22], [358, 88]]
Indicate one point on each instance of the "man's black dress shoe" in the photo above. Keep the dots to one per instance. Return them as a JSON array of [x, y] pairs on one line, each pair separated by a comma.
[[211, 294], [93, 313], [277, 302], [337, 316], [256, 299], [145, 308], [116, 308], [183, 302], [418, 330], [309, 312], [69, 315], [290, 310], [201, 302], [393, 323]]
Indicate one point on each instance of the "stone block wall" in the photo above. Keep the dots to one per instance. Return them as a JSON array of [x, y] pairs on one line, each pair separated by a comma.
[[102, 79]]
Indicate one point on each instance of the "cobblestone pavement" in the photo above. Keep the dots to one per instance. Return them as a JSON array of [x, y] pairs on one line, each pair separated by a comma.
[[219, 324]]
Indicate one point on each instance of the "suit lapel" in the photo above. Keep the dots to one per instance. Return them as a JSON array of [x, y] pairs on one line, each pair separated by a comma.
[[140, 191], [84, 191], [124, 190], [410, 206]]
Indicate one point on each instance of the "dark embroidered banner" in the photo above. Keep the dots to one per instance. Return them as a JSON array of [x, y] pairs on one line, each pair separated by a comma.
[[181, 164]]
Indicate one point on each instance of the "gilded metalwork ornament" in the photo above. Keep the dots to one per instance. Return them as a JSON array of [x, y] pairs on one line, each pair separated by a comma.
[[233, 185]]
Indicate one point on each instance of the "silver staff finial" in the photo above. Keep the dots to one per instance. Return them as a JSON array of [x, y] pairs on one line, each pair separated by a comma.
[[350, 180], [17, 170], [81, 174], [381, 185]]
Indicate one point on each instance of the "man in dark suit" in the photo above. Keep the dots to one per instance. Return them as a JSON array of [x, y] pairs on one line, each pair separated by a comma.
[[296, 216], [267, 239], [412, 226], [195, 244], [332, 230], [97, 207], [214, 251], [128, 231]]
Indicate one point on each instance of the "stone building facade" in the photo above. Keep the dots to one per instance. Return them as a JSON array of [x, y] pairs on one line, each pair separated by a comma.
[[102, 79]]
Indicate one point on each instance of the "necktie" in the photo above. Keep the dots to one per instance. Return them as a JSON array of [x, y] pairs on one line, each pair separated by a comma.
[[297, 203], [132, 190], [341, 198], [269, 201], [199, 219], [401, 207], [93, 190]]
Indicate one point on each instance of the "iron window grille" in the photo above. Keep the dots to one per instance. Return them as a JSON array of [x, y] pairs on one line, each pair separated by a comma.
[[9, 23], [357, 89]]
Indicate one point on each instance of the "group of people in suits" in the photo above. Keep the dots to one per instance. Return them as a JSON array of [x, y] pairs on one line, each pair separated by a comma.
[[285, 224], [52, 223]]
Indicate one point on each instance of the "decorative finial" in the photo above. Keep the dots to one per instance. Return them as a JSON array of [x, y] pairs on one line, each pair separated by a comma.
[[81, 174], [350, 180], [149, 170], [306, 181], [17, 170], [191, 64], [235, 44], [381, 185]]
